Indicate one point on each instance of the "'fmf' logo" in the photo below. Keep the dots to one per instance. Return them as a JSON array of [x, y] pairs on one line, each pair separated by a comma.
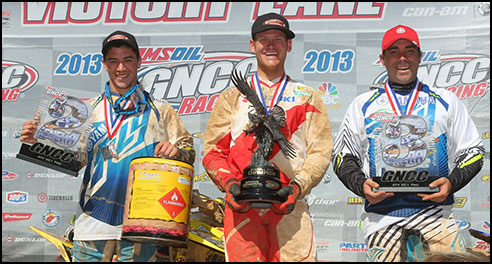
[[17, 77]]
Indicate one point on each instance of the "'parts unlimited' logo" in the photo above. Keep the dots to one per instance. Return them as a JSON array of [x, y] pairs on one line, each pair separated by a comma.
[[17, 77]]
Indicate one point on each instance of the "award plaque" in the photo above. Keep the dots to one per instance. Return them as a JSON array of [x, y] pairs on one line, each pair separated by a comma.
[[261, 179], [61, 130], [405, 182]]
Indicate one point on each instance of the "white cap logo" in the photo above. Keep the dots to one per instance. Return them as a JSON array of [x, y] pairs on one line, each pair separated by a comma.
[[400, 30]]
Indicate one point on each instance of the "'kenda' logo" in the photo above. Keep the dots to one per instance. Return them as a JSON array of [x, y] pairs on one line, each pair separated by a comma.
[[17, 77], [467, 75]]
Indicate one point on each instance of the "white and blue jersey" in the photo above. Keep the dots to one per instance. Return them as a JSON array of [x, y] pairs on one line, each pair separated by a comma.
[[124, 137], [405, 135]]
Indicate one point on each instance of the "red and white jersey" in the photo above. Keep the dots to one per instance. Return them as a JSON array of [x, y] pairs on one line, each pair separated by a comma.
[[228, 149]]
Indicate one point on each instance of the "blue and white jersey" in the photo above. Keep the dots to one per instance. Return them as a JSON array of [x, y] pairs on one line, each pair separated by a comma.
[[407, 135], [103, 191]]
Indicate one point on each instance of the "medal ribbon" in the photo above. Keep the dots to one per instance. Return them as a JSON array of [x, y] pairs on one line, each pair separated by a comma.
[[414, 94], [112, 119], [255, 82]]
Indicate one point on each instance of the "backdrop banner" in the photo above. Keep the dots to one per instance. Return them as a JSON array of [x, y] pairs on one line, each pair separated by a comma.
[[188, 51]]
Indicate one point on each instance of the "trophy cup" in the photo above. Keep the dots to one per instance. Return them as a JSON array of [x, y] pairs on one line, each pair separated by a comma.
[[62, 128], [261, 179]]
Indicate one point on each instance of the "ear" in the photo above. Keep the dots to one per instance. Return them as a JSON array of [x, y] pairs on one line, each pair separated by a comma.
[[289, 45], [104, 64], [382, 59], [252, 45]]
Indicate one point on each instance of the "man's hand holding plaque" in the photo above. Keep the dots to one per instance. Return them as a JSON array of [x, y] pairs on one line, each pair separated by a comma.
[[55, 138]]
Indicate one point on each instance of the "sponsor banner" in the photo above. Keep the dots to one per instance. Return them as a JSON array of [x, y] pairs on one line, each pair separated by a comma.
[[9, 217], [188, 50]]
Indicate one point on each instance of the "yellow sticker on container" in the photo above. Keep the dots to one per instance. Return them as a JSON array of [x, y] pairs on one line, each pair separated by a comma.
[[160, 195]]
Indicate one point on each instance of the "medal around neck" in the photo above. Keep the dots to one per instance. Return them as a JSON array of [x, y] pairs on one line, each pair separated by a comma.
[[261, 179], [61, 133]]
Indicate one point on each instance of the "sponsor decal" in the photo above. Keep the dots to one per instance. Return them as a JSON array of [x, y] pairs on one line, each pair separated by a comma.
[[322, 245], [17, 197], [92, 13], [462, 225], [435, 11], [321, 201], [482, 244], [51, 218], [201, 178], [486, 178], [352, 247], [486, 135], [174, 54], [484, 8], [8, 155], [46, 175], [321, 10], [467, 75], [9, 217], [329, 95], [459, 202], [355, 200], [17, 77], [341, 223], [26, 239], [42, 197], [7, 175], [197, 135], [193, 88], [6, 18]]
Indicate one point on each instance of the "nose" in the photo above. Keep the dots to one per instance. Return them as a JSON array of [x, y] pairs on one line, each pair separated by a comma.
[[121, 66]]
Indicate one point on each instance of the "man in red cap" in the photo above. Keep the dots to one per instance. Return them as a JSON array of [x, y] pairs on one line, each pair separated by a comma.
[[403, 135], [283, 232]]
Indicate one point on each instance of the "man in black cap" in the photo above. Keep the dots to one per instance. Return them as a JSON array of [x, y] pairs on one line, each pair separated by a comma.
[[283, 232], [127, 124]]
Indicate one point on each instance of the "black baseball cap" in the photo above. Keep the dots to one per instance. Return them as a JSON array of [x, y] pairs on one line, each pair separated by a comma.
[[272, 21], [120, 38]]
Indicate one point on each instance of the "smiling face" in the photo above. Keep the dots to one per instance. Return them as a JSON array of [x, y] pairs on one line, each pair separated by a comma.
[[402, 60], [271, 49], [122, 64]]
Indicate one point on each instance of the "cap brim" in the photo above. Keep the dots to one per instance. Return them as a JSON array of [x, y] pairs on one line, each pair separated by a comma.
[[288, 33]]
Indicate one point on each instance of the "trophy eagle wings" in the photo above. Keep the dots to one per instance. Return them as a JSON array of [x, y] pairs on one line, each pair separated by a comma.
[[273, 121]]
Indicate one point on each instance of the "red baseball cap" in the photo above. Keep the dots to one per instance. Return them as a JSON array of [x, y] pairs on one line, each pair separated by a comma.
[[400, 32]]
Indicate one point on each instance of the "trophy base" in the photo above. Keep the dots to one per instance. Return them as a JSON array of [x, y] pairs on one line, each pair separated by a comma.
[[406, 187], [260, 185], [50, 157]]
